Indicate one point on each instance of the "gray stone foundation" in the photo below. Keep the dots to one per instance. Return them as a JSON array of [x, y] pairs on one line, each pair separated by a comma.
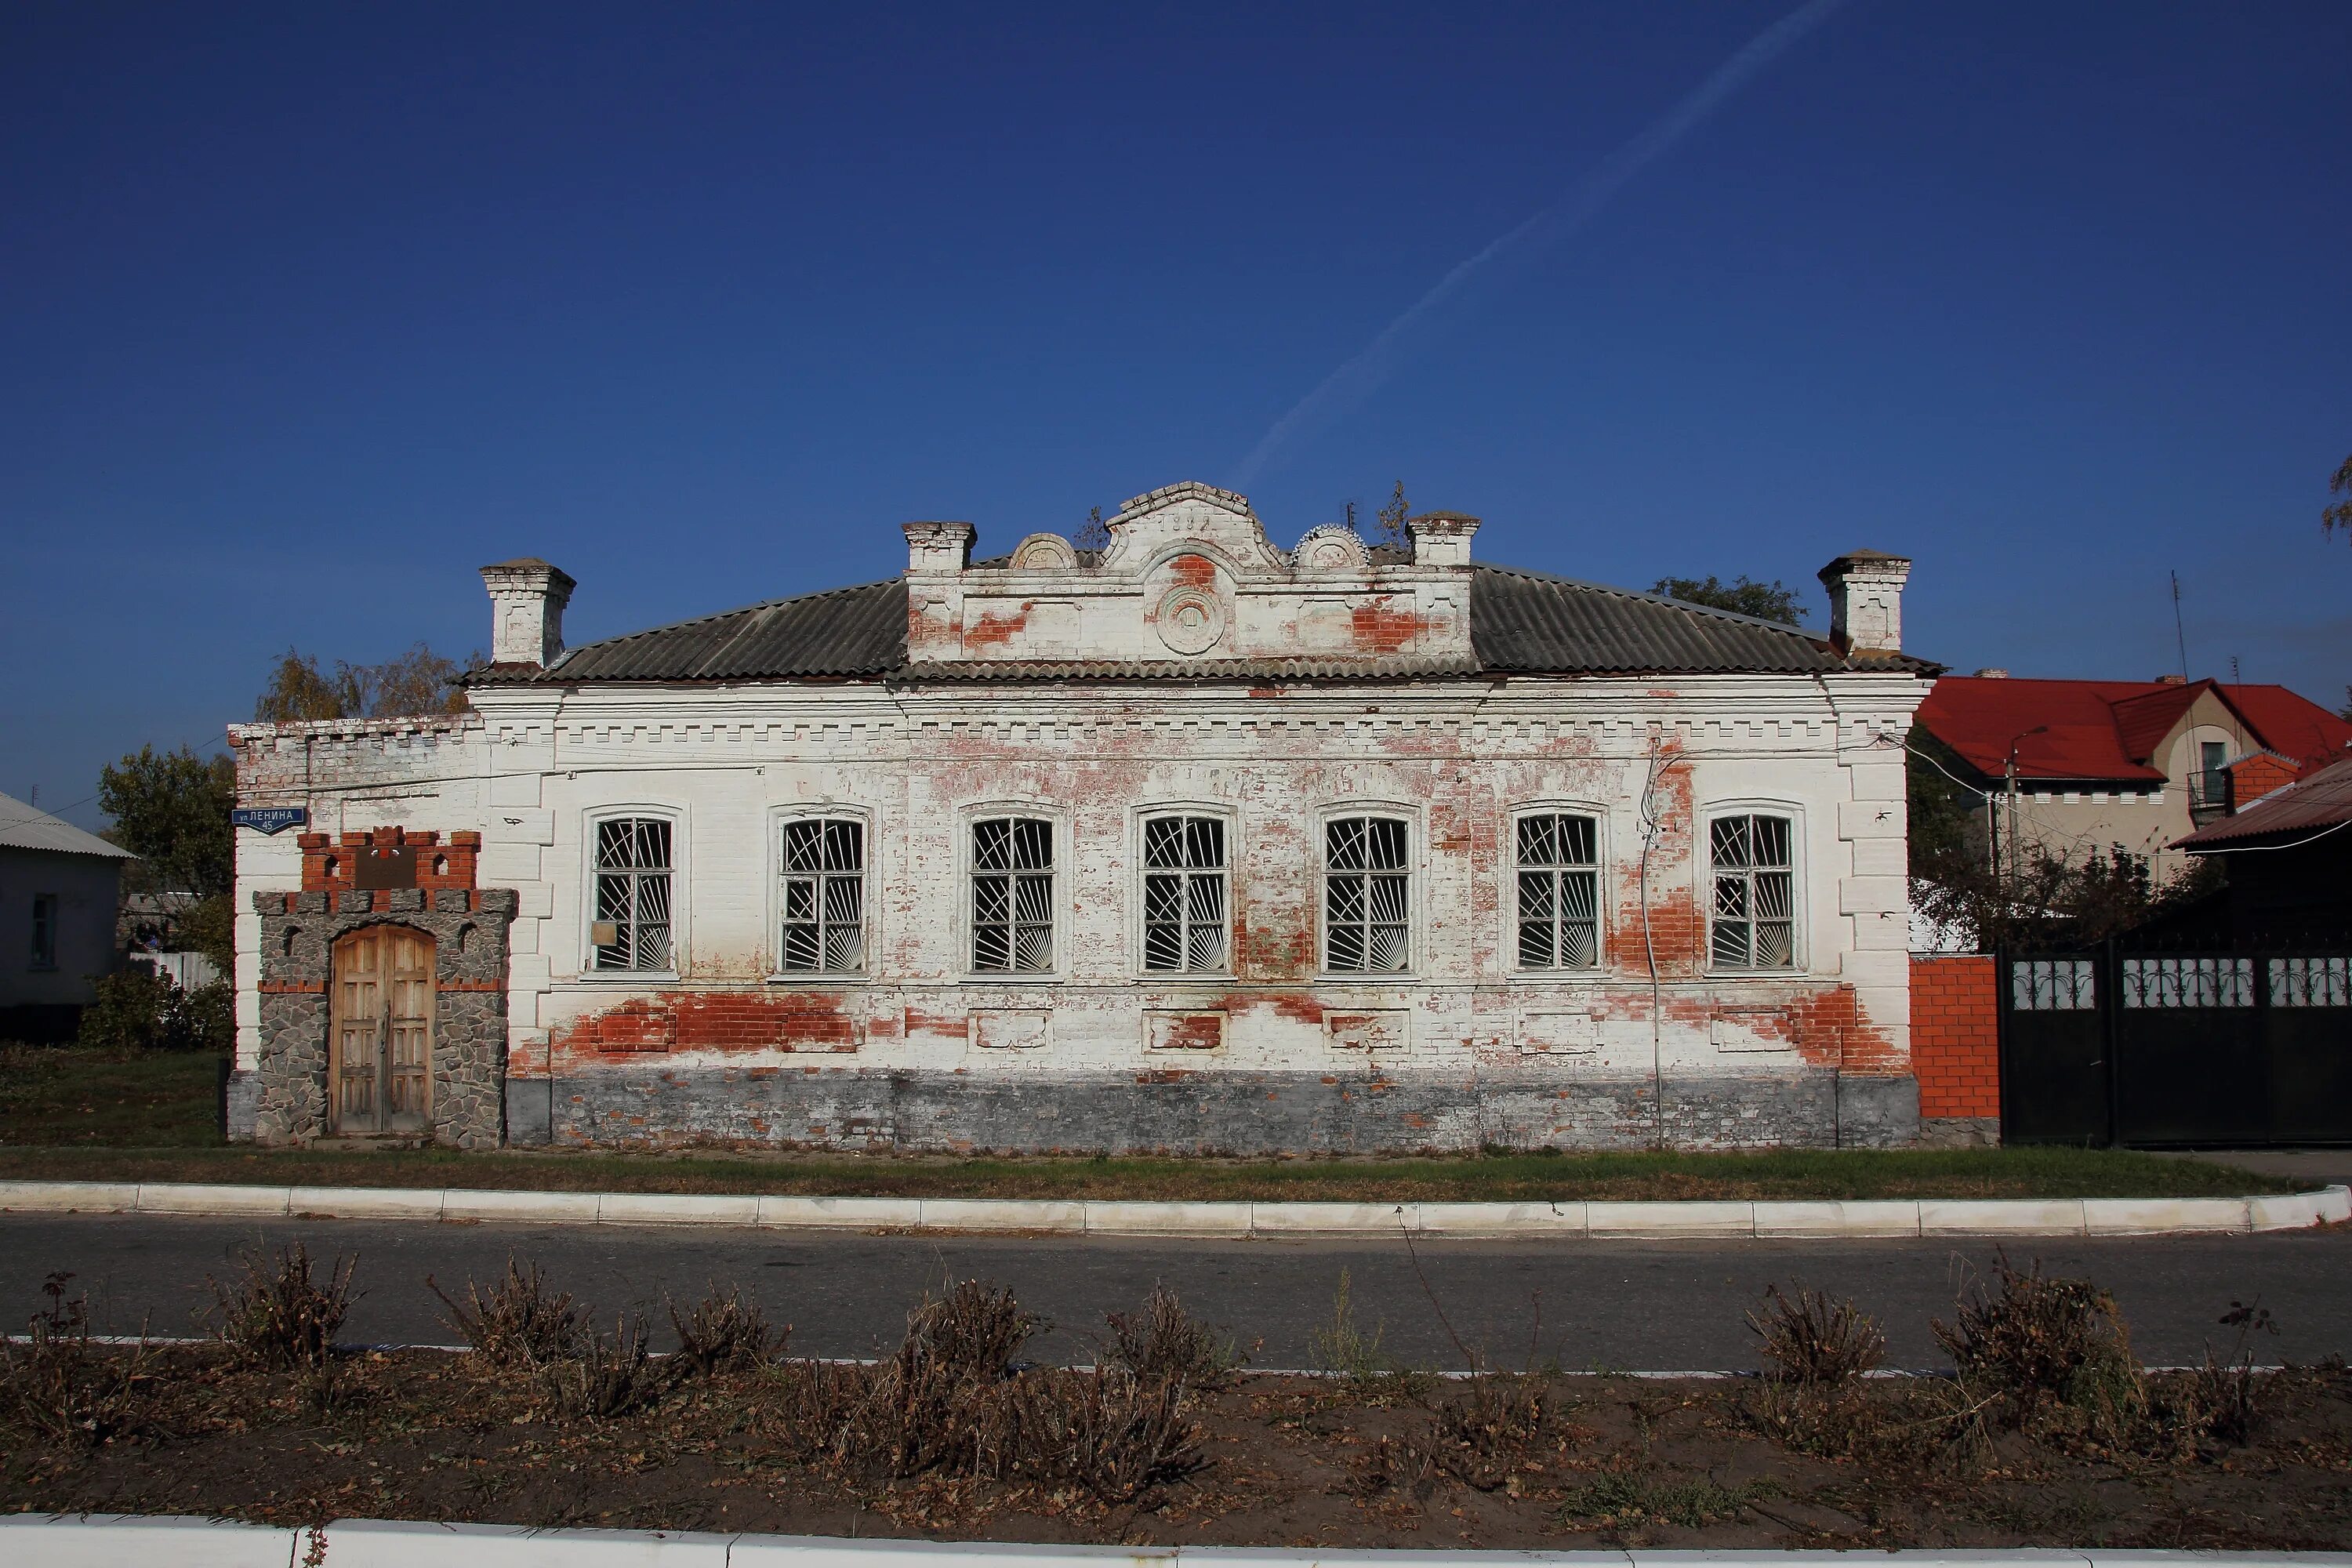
[[1222, 1112], [1960, 1132], [283, 1099]]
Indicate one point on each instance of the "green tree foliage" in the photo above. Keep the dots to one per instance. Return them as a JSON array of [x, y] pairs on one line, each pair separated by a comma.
[[2340, 513], [418, 681], [170, 809], [1774, 601], [2042, 900]]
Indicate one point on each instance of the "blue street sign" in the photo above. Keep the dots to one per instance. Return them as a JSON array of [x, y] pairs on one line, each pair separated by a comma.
[[269, 818]]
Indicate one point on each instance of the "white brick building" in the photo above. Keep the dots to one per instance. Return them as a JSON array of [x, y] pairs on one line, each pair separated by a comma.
[[1194, 845]]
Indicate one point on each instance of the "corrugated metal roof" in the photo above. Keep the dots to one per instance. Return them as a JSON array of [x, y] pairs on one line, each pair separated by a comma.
[[2312, 804], [24, 826], [842, 632], [1528, 621], [1520, 623]]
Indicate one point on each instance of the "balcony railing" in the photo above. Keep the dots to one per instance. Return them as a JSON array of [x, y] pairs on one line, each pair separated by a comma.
[[2209, 794]]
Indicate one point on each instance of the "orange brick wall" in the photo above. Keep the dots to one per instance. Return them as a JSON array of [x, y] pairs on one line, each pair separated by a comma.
[[1955, 1041], [328, 867]]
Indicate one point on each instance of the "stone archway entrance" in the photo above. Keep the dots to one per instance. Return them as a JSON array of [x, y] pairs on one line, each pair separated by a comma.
[[380, 1038]]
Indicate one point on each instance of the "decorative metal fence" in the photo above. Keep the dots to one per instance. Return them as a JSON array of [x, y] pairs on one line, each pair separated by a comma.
[[2176, 1049]]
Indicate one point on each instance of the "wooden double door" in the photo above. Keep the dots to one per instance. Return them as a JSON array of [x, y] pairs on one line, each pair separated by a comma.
[[381, 1031]]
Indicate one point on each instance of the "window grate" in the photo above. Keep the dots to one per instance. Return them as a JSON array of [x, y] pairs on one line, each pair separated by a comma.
[[824, 898], [1560, 892], [1366, 926], [1754, 924], [1184, 894], [633, 895], [1012, 895]]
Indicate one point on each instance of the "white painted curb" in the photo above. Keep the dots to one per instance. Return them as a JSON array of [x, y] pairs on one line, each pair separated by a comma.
[[103, 1541], [1576, 1221]]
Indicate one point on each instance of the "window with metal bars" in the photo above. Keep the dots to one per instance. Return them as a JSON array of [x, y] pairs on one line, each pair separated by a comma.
[[1012, 895], [822, 898], [1184, 894], [1559, 892], [631, 927], [1366, 894], [45, 930], [1754, 924]]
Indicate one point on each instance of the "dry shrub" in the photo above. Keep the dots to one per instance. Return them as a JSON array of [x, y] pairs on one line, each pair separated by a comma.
[[602, 1379], [933, 1404], [519, 1321], [1484, 1437], [1164, 1342], [276, 1314], [64, 1385], [2222, 1403], [1815, 1352], [1814, 1341], [725, 1332], [949, 1401], [2041, 1345], [1113, 1433]]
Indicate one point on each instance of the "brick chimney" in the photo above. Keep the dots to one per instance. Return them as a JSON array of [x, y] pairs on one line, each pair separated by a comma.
[[1867, 601], [527, 599], [1441, 538], [934, 547]]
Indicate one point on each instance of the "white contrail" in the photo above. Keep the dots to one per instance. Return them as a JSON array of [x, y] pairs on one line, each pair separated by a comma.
[[1353, 381]]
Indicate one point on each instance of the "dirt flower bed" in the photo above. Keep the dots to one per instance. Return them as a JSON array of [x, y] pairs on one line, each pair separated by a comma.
[[2047, 1434]]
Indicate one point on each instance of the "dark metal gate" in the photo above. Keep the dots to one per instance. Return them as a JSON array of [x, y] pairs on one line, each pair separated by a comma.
[[2155, 1049]]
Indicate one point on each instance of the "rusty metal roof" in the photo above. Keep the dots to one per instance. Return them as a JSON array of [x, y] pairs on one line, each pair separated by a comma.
[[2311, 805], [1520, 623]]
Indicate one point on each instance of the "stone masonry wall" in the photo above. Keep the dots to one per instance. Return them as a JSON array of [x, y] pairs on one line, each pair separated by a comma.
[[282, 1098]]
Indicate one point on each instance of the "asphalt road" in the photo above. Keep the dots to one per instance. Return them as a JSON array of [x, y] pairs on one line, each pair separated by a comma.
[[1626, 1306]]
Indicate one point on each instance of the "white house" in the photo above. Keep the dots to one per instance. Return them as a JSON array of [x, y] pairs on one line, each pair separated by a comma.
[[1193, 844]]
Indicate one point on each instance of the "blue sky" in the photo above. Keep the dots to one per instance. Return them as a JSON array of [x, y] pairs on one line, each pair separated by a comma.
[[307, 311]]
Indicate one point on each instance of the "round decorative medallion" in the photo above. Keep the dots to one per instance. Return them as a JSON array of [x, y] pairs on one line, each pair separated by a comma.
[[1189, 620]]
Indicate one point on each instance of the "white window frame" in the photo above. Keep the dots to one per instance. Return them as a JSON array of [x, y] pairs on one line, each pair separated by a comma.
[[1508, 902], [1799, 873], [1057, 818], [1138, 920], [779, 818], [1415, 838], [680, 858]]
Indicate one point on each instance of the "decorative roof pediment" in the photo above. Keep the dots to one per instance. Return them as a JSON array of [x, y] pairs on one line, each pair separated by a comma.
[[1189, 575]]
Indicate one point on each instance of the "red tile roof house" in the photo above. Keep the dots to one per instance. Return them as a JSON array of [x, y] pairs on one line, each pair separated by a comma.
[[2073, 767], [2290, 860]]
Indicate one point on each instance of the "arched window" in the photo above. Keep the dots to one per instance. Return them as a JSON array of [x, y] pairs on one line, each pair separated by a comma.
[[1013, 895], [1366, 895], [631, 927], [1184, 898], [822, 897], [1559, 891], [1753, 923]]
